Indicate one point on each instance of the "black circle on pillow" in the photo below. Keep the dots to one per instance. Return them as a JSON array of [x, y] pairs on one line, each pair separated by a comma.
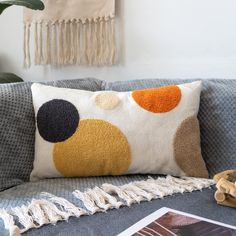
[[57, 120]]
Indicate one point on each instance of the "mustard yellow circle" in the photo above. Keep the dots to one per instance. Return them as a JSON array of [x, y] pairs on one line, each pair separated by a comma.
[[107, 101], [97, 148]]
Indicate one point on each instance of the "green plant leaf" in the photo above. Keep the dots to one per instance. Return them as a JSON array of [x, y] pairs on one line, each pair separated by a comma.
[[3, 7], [9, 78], [32, 4]]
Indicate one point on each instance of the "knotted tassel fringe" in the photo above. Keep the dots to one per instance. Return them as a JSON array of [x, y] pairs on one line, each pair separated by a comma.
[[91, 42], [52, 209]]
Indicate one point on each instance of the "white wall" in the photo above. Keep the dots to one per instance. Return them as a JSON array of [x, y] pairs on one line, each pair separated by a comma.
[[158, 38]]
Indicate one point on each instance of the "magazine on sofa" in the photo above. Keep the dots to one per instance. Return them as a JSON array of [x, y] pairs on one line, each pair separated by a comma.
[[169, 222]]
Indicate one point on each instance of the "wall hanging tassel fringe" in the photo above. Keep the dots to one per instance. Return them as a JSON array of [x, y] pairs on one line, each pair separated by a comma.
[[71, 32]]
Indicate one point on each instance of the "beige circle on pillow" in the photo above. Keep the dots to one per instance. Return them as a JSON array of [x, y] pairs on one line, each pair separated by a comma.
[[187, 149], [97, 148], [107, 101]]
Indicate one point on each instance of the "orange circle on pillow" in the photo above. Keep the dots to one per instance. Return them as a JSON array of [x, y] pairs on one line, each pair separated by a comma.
[[97, 148], [158, 100]]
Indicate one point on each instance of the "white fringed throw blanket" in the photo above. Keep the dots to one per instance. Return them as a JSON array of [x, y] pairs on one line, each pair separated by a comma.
[[71, 32], [49, 209]]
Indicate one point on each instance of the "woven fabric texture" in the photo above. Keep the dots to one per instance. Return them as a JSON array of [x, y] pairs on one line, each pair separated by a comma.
[[61, 187], [17, 128], [217, 118], [200, 203]]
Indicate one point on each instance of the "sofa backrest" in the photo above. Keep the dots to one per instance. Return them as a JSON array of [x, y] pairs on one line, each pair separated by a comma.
[[17, 128], [217, 118]]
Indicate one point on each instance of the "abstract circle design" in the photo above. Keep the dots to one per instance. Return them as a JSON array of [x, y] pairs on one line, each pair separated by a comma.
[[158, 100], [187, 151], [57, 120], [107, 101], [97, 148]]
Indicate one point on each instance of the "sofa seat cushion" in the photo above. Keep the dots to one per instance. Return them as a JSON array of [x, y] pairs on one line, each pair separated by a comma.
[[116, 221], [201, 203]]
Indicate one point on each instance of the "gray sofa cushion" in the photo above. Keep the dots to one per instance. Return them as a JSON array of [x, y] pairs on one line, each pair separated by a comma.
[[217, 116], [116, 221], [201, 203], [218, 130], [17, 128]]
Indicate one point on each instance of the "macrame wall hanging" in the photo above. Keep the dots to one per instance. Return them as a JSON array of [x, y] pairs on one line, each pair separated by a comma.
[[71, 32]]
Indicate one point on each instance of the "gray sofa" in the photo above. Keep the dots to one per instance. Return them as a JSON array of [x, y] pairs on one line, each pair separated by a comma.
[[217, 118]]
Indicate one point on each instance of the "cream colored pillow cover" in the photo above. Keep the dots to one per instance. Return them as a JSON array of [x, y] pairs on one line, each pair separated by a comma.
[[83, 133]]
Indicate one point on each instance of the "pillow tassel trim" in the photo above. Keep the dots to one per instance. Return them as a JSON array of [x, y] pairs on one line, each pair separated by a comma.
[[52, 209]]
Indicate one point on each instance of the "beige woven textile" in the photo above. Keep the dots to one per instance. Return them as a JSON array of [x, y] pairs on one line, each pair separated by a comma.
[[71, 32]]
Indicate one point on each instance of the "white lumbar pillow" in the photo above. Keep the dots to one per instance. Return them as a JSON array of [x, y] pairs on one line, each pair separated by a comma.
[[83, 133]]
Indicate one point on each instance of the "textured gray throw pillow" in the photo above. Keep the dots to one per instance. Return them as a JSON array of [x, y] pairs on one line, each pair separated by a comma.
[[17, 128], [217, 118]]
